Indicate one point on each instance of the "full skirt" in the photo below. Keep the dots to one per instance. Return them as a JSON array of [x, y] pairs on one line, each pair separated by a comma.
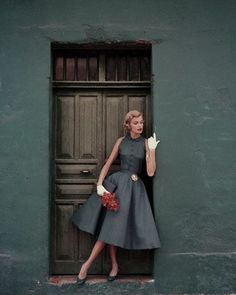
[[131, 227]]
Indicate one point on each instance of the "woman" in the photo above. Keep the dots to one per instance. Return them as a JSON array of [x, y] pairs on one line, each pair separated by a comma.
[[127, 227]]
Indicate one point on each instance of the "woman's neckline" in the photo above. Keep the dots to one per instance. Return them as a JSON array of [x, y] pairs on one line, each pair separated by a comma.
[[135, 139]]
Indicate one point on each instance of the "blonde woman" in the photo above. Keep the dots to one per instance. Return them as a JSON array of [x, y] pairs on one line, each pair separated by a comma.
[[133, 225]]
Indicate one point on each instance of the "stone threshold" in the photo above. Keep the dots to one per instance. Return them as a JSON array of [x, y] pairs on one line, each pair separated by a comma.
[[60, 280]]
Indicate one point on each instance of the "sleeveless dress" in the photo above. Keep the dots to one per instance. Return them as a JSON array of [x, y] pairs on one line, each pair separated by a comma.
[[133, 225]]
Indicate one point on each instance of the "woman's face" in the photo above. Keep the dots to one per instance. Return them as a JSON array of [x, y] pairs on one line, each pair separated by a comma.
[[136, 125]]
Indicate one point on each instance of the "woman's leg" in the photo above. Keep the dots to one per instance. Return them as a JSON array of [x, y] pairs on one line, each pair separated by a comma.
[[99, 245], [114, 270]]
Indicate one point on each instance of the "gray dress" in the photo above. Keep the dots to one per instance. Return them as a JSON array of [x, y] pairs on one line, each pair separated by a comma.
[[133, 225]]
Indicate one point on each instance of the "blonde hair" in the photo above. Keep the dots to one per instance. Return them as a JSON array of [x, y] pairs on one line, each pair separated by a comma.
[[128, 117]]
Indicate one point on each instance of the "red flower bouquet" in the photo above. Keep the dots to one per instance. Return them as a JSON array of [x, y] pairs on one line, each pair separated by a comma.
[[110, 201]]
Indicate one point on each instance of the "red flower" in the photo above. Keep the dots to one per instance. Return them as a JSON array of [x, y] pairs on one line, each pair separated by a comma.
[[110, 201]]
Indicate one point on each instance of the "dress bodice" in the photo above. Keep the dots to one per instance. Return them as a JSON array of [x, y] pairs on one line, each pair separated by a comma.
[[132, 152]]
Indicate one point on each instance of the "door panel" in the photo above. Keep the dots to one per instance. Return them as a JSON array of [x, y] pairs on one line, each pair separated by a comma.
[[64, 233], [65, 126], [75, 172], [87, 124], [138, 102], [115, 108], [87, 111], [73, 191]]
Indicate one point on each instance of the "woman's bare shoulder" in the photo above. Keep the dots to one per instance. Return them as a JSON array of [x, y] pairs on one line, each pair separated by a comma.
[[119, 140]]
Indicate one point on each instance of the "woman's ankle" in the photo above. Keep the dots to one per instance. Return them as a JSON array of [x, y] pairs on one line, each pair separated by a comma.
[[87, 264]]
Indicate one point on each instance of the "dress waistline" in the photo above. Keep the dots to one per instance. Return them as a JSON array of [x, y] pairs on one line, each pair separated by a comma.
[[129, 171], [134, 176]]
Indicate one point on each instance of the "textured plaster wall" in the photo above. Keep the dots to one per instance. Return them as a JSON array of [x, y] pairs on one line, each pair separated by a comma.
[[194, 62], [195, 113]]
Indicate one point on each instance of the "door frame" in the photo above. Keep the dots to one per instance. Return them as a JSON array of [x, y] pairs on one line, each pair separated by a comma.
[[92, 86]]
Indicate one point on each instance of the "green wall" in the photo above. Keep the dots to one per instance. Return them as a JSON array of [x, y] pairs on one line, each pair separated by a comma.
[[194, 70]]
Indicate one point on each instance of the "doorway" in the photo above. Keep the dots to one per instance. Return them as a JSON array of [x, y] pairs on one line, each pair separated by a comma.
[[92, 91]]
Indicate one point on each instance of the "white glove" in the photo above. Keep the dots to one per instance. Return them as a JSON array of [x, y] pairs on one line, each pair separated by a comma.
[[101, 189], [152, 142]]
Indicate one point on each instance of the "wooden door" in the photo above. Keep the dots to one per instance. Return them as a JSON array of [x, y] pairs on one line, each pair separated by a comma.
[[86, 125]]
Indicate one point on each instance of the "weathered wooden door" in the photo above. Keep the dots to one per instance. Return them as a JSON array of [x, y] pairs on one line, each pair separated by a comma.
[[94, 86], [87, 123]]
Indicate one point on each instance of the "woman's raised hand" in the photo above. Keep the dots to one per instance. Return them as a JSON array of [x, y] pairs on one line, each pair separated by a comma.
[[152, 142], [101, 190]]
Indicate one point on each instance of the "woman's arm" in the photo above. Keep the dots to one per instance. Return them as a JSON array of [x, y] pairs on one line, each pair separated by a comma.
[[150, 159], [110, 160]]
